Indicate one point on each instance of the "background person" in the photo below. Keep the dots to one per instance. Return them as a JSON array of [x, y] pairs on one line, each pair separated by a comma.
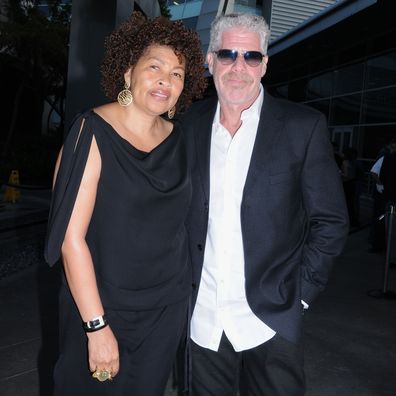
[[267, 219], [387, 174], [377, 227], [121, 195], [388, 180]]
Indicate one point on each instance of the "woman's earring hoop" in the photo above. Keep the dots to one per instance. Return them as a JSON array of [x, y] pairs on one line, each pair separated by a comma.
[[125, 97], [171, 112]]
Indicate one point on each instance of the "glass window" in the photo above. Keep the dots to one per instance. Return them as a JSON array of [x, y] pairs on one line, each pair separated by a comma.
[[181, 9], [345, 110], [344, 136], [321, 105], [249, 6], [319, 87], [375, 139], [296, 90], [191, 23], [335, 137], [381, 71], [348, 79], [379, 106]]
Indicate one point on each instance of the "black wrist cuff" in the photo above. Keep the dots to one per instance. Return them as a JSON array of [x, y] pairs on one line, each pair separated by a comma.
[[95, 324]]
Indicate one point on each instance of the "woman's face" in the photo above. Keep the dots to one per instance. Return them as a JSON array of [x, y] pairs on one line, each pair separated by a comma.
[[157, 80]]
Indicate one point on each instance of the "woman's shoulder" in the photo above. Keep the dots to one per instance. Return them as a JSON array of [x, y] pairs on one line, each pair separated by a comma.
[[105, 109]]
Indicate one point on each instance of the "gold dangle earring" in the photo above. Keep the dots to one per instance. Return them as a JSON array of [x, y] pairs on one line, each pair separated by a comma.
[[125, 97], [171, 112]]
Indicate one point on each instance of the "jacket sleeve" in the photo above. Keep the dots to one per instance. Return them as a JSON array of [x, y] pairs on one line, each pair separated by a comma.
[[74, 157], [324, 203]]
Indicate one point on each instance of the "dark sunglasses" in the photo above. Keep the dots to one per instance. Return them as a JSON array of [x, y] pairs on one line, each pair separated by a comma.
[[229, 56]]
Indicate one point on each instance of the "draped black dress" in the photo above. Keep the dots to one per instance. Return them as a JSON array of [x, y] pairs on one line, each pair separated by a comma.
[[138, 244]]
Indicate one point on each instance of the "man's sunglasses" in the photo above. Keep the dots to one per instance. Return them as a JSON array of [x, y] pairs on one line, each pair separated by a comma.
[[229, 56]]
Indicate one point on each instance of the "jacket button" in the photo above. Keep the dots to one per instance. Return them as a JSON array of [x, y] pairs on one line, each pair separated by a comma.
[[194, 286], [199, 246], [206, 206]]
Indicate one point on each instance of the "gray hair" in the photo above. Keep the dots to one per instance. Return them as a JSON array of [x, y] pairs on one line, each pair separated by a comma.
[[252, 22]]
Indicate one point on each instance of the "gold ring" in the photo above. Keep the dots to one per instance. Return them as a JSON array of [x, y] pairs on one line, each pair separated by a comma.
[[102, 375]]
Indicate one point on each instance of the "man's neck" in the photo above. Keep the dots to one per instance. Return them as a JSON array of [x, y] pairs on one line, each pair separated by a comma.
[[230, 114]]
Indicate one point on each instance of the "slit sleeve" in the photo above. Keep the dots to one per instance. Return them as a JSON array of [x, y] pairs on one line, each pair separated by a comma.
[[71, 169]]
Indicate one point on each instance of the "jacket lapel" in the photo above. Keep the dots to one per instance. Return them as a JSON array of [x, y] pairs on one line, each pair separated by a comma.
[[270, 125], [203, 135]]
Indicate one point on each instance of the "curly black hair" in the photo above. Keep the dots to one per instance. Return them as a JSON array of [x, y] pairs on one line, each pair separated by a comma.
[[125, 46]]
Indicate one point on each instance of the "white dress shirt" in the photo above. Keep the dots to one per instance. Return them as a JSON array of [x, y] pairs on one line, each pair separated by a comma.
[[377, 170], [221, 304]]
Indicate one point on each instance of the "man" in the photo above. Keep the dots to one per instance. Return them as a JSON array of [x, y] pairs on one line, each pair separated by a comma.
[[376, 236], [387, 173], [377, 229], [388, 179], [267, 219]]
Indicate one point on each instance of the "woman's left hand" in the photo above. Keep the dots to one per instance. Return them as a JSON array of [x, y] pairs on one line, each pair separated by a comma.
[[103, 351]]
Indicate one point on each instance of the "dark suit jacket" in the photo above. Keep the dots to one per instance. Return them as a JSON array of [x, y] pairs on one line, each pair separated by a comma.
[[388, 177], [293, 215]]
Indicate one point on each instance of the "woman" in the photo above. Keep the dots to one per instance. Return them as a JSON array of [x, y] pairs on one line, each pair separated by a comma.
[[120, 199]]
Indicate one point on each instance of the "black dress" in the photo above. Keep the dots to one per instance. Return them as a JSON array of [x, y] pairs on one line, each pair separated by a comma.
[[138, 244]]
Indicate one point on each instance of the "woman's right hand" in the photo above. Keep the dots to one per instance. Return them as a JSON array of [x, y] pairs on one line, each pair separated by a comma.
[[103, 351]]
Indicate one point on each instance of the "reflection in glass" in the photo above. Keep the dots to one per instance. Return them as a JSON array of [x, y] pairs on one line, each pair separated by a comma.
[[345, 110], [249, 6], [348, 79], [181, 9], [381, 70], [191, 23], [345, 136], [379, 106], [319, 87]]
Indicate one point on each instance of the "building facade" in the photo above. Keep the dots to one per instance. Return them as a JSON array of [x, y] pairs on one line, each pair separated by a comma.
[[343, 63], [336, 56], [281, 15], [286, 14]]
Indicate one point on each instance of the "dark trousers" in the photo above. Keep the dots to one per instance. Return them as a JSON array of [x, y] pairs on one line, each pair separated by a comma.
[[377, 228], [274, 368]]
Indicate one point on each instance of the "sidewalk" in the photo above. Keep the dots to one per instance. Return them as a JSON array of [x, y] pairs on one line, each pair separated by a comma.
[[22, 229], [32, 204], [350, 338]]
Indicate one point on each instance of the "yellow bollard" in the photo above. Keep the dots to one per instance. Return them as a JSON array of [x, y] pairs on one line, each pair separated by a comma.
[[12, 194]]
